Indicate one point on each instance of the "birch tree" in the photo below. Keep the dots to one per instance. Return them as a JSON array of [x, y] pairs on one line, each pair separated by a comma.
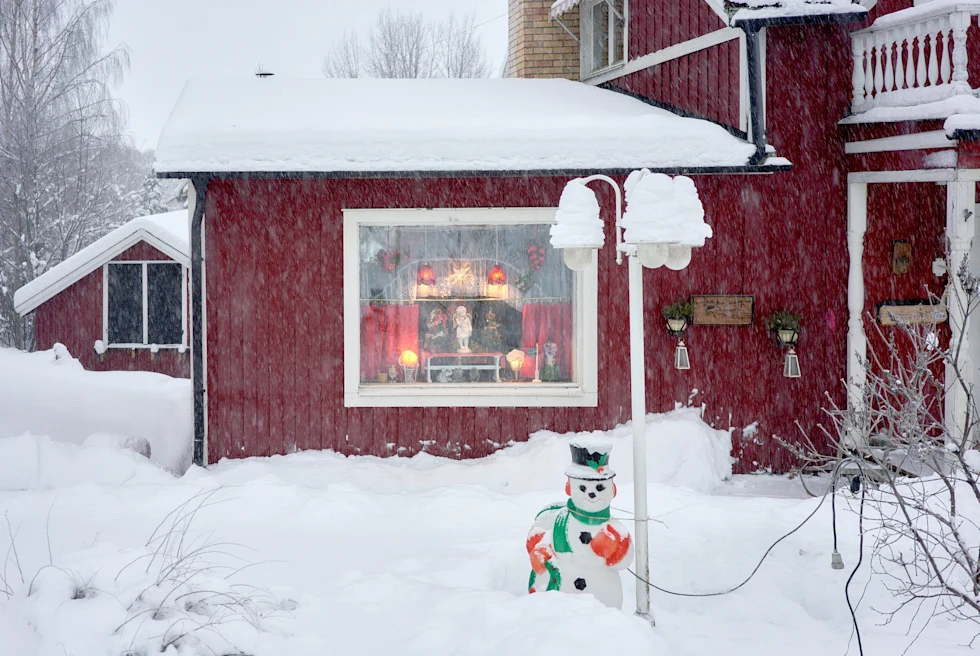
[[408, 45], [64, 168]]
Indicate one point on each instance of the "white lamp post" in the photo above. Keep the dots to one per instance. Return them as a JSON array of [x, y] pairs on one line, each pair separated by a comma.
[[664, 221]]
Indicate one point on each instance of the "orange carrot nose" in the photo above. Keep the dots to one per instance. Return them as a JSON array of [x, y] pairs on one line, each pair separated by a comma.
[[568, 487]]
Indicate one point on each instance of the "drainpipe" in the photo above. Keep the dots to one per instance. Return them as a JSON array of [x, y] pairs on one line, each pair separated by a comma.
[[753, 51], [197, 314]]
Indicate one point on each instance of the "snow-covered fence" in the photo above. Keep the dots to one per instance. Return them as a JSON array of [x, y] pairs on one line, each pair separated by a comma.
[[912, 56]]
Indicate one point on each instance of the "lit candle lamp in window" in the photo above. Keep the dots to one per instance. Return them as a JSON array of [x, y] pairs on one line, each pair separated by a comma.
[[425, 281], [410, 365], [497, 282]]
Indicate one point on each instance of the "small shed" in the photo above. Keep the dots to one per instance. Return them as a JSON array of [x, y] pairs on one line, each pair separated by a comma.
[[121, 302]]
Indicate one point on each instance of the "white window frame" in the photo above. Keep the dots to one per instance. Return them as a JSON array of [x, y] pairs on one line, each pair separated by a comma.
[[146, 311], [585, 38], [582, 392]]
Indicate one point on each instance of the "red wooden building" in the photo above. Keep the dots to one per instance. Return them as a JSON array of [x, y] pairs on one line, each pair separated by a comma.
[[346, 222], [119, 304]]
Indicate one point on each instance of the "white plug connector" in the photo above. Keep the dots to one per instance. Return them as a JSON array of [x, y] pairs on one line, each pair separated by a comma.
[[836, 562]]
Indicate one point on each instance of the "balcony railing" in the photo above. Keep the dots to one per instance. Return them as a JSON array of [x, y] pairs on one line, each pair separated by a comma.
[[912, 57]]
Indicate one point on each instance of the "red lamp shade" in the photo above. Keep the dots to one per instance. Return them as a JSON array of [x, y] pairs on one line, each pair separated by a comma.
[[497, 276], [426, 275]]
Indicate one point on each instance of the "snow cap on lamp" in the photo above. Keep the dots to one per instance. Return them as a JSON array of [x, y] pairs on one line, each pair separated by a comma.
[[664, 210], [590, 459], [577, 221]]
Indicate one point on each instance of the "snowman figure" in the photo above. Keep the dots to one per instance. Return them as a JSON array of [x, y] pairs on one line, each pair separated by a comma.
[[575, 546]]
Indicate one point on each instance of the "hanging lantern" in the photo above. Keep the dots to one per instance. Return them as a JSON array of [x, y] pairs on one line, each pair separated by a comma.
[[426, 275], [682, 360], [497, 276], [791, 368]]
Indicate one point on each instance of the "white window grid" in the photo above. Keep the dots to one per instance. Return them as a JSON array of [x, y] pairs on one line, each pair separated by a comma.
[[614, 58]]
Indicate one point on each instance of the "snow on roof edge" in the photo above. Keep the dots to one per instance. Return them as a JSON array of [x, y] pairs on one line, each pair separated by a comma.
[[167, 232], [748, 10]]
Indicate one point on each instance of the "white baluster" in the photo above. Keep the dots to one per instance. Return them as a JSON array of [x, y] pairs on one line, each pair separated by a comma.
[[933, 53], [857, 78], [961, 22], [946, 63], [920, 68], [889, 63], [869, 73], [909, 59], [879, 81]]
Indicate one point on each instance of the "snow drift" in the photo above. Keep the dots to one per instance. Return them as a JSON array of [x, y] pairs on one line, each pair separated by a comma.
[[49, 394]]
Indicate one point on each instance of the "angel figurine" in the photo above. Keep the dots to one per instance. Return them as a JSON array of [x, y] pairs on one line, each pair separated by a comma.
[[464, 328]]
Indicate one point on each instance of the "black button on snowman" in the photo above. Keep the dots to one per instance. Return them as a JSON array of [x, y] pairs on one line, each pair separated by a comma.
[[575, 546]]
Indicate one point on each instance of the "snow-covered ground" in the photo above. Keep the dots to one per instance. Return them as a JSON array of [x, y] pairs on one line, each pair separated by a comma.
[[315, 553]]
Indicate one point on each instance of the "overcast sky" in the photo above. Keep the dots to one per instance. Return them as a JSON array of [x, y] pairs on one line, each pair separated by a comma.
[[174, 40]]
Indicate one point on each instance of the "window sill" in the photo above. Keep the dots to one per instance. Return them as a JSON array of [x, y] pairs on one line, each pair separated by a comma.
[[476, 395], [146, 347], [604, 74]]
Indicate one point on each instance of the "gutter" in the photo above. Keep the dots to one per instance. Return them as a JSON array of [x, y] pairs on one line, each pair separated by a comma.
[[200, 183], [740, 169]]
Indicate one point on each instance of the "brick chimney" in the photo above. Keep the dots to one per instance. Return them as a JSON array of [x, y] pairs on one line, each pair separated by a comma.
[[537, 46]]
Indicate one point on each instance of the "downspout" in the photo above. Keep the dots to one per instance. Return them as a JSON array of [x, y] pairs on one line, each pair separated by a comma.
[[197, 314], [753, 52]]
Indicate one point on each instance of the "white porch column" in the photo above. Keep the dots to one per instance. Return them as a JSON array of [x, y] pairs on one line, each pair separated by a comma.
[[857, 341], [960, 228]]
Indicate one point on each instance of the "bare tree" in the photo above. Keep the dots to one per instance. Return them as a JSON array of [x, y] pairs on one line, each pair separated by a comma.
[[924, 513], [407, 45], [460, 52], [61, 149], [344, 59]]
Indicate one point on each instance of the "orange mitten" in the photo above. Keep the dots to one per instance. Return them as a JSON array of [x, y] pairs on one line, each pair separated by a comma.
[[539, 553], [610, 545]]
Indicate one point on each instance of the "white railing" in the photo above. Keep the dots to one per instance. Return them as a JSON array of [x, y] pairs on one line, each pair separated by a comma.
[[913, 56]]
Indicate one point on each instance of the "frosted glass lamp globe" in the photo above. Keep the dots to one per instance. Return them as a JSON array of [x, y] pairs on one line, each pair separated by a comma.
[[652, 256], [577, 259], [678, 257]]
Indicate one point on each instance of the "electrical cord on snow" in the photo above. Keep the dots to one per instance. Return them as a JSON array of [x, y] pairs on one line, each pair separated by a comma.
[[863, 481]]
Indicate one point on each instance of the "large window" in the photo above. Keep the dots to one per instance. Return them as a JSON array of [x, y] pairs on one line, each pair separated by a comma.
[[464, 307], [144, 304], [603, 38]]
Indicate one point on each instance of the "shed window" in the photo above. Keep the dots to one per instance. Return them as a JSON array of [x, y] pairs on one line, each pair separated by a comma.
[[144, 304], [603, 39], [466, 312]]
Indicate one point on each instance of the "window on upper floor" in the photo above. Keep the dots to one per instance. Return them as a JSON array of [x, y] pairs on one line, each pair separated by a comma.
[[603, 35]]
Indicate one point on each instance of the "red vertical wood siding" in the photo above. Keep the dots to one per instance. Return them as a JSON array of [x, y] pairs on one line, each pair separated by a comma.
[[658, 24], [74, 318]]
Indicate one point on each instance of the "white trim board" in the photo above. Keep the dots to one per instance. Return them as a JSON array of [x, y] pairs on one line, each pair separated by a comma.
[[581, 393], [669, 53], [920, 175], [918, 141]]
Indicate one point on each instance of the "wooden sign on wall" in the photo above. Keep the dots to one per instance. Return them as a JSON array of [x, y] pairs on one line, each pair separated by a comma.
[[723, 310], [901, 257], [895, 314]]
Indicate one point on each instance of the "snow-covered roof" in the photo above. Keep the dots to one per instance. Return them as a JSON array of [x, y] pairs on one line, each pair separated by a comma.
[[167, 233], [745, 10], [435, 125]]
